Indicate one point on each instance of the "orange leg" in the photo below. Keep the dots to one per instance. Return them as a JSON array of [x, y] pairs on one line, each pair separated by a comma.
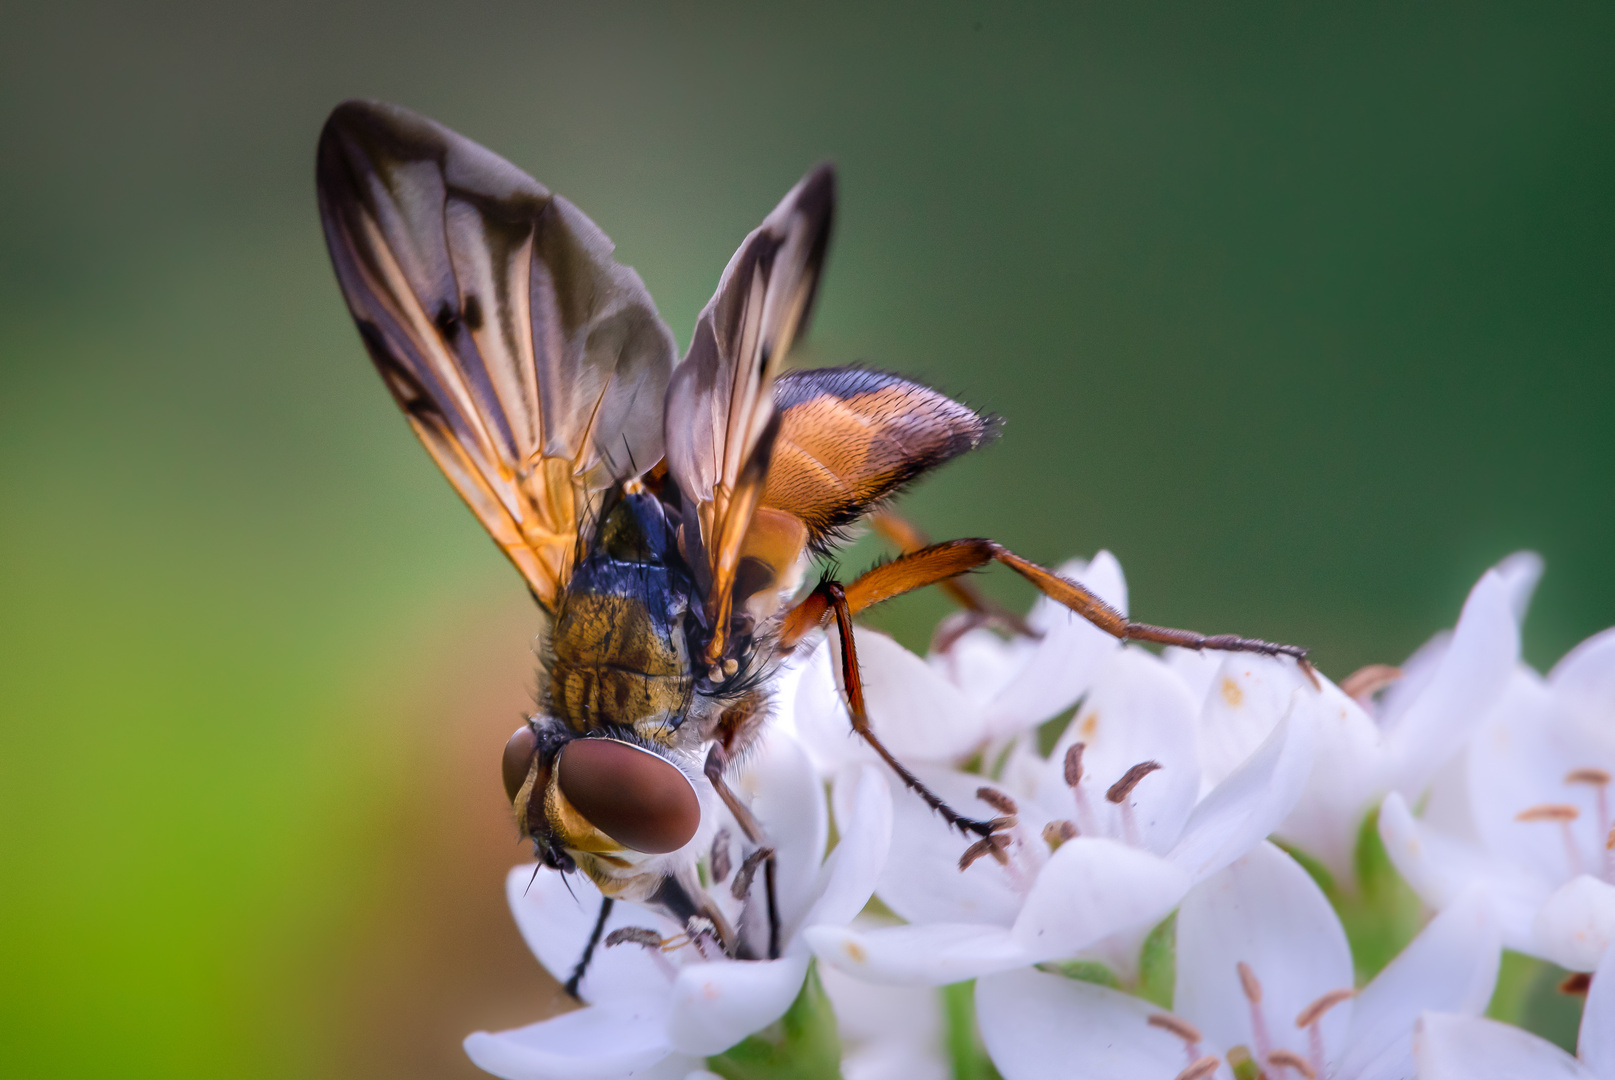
[[939, 562], [978, 610]]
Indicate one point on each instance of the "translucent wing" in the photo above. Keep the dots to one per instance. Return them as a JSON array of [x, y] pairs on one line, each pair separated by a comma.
[[720, 419], [531, 364]]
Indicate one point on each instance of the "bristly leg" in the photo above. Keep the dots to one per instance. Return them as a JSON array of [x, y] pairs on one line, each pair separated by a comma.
[[836, 599], [576, 980], [717, 762]]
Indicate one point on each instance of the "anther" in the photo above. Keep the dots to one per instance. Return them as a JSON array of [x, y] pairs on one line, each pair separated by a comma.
[[747, 871], [1073, 764], [634, 935], [1609, 843], [1200, 1069], [1056, 833], [1309, 1015], [1289, 1059], [1548, 812], [1365, 682], [1179, 1027], [1124, 787], [1596, 777], [720, 863], [1577, 982], [997, 800], [1249, 983]]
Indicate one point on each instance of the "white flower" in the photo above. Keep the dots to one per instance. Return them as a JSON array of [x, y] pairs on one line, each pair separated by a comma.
[[1470, 1048], [887, 1032], [1420, 724], [1529, 814], [1264, 971], [981, 690], [659, 1013], [1106, 836]]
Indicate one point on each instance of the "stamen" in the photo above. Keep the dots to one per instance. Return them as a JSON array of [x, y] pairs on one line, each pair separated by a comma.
[[1598, 779], [1124, 787], [1577, 982], [1253, 993], [1249, 983], [1549, 812], [998, 801], [747, 871], [1176, 1025], [1564, 814], [1200, 1069], [1365, 682], [1056, 833], [1289, 1059], [1588, 776], [720, 862], [1309, 1015], [634, 935], [1073, 764]]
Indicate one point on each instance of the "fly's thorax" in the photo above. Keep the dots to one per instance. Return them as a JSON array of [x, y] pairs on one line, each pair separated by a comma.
[[620, 659]]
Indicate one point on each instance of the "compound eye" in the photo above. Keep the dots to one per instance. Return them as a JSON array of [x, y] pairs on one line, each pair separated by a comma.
[[637, 798], [518, 759]]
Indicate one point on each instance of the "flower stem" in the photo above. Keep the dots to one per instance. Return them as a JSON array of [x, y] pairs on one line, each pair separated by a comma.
[[964, 1046]]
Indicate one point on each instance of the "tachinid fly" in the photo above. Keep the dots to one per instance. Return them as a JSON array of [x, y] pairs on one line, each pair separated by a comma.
[[662, 513]]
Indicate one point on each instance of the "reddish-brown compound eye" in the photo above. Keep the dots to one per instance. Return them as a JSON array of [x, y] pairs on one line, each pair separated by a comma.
[[518, 759], [637, 798]]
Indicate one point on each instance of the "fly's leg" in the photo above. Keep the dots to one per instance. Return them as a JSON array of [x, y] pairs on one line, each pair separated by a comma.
[[834, 600], [937, 563], [940, 562], [717, 762], [576, 980], [976, 609]]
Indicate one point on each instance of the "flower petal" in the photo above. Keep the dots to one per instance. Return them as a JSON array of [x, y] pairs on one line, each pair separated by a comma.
[[1584, 680], [1136, 712], [1058, 668], [1349, 774], [1242, 810], [863, 805], [1092, 888], [716, 1005], [888, 1032], [1596, 1043], [1471, 1048], [932, 955], [1575, 925], [1485, 646], [1440, 869], [919, 714], [786, 796], [1265, 912], [1038, 1026], [556, 921], [922, 881], [599, 1041], [1450, 967], [1520, 758]]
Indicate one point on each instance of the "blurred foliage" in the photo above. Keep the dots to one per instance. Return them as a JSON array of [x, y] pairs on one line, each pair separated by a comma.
[[1303, 312], [804, 1044]]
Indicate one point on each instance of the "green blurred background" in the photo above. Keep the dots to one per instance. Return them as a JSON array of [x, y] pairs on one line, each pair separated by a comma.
[[1308, 315]]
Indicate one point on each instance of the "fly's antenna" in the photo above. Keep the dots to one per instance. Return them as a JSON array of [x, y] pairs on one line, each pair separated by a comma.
[[568, 883], [536, 868], [632, 464]]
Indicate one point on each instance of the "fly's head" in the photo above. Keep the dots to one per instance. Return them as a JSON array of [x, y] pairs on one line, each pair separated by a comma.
[[600, 804]]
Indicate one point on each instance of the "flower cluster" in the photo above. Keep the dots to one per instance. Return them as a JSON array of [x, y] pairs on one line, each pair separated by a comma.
[[1178, 838]]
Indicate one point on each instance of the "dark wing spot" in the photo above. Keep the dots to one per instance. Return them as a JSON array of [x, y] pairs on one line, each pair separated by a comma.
[[447, 319], [472, 312]]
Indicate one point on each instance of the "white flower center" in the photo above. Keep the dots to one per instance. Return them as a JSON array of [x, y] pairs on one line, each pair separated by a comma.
[[1564, 815]]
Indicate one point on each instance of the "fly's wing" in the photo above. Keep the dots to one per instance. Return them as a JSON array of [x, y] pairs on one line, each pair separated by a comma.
[[720, 418], [851, 438], [531, 364]]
